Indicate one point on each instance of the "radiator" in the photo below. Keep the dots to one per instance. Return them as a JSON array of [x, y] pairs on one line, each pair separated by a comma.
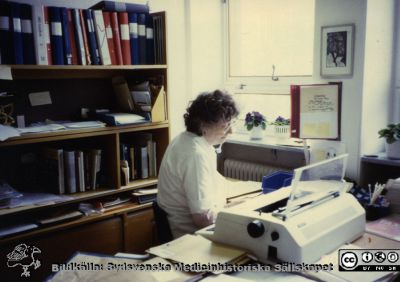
[[248, 171]]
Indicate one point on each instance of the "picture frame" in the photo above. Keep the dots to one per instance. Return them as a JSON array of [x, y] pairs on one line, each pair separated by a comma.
[[337, 50]]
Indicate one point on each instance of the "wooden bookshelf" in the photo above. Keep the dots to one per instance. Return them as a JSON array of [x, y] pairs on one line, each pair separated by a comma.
[[127, 228]]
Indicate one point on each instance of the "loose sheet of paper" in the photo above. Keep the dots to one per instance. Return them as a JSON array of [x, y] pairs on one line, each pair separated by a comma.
[[202, 251]]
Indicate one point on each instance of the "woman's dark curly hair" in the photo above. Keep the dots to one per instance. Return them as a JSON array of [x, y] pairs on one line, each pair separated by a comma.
[[209, 108]]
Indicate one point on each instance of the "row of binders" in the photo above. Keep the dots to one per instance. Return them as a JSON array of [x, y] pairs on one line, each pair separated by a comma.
[[109, 33], [70, 171], [138, 159]]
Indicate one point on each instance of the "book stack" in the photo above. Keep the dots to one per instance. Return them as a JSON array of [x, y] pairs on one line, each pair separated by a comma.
[[108, 33], [70, 170], [146, 195], [139, 157]]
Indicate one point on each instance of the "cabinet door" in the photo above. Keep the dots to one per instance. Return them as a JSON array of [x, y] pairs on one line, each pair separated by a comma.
[[139, 231], [103, 237]]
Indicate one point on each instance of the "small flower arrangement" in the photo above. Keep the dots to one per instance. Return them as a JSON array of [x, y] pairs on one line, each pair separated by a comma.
[[255, 119], [391, 133], [281, 121]]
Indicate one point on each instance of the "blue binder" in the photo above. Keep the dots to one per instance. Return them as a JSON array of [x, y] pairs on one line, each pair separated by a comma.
[[56, 38], [94, 50], [27, 34], [133, 37], [5, 34], [121, 7], [66, 40], [142, 38], [150, 57], [18, 49]]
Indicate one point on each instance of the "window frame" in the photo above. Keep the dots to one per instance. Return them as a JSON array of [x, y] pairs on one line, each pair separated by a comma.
[[257, 84]]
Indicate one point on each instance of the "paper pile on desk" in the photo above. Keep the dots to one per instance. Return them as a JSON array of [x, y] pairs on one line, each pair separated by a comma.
[[195, 251]]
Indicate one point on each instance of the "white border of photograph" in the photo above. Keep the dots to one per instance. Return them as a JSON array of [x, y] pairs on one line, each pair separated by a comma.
[[342, 69]]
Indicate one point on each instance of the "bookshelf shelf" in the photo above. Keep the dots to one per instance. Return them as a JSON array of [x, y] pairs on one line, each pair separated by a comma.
[[84, 196], [132, 207], [77, 71], [80, 133]]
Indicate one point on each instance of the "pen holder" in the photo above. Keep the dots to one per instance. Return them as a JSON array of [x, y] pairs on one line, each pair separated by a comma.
[[374, 212]]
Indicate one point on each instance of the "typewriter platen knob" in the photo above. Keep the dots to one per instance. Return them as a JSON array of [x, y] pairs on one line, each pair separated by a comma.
[[274, 235], [255, 228]]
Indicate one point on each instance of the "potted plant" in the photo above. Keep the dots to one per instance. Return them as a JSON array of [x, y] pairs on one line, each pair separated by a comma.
[[256, 123], [392, 135], [282, 127]]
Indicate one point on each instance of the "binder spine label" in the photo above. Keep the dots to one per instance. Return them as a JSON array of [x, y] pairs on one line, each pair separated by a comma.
[[142, 30], [46, 33], [149, 33], [109, 33], [26, 26], [133, 28], [56, 29], [124, 32], [4, 23], [17, 24]]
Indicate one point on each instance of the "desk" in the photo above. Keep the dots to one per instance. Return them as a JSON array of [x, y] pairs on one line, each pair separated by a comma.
[[169, 274]]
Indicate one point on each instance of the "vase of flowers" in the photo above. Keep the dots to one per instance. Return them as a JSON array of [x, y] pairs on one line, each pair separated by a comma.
[[256, 123], [282, 127], [392, 135]]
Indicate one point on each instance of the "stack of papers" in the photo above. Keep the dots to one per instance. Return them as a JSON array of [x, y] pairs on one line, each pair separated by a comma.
[[61, 126], [145, 195], [147, 191], [7, 193], [41, 128], [84, 124], [202, 252], [9, 131], [122, 118]]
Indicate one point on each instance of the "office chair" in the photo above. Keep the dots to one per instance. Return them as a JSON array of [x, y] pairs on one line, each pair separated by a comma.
[[163, 230]]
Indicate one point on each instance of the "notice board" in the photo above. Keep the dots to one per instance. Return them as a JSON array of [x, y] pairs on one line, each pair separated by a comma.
[[316, 111]]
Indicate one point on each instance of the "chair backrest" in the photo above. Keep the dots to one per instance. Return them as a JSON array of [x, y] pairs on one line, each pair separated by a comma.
[[163, 230]]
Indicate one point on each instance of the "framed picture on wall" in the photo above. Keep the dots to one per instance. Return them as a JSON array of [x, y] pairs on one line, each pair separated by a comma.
[[337, 50]]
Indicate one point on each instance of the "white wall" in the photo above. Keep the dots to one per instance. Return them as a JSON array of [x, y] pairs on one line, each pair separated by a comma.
[[205, 45], [338, 12], [377, 84], [395, 113]]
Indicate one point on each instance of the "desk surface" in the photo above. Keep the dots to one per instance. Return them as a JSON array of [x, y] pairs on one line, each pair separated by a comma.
[[380, 158]]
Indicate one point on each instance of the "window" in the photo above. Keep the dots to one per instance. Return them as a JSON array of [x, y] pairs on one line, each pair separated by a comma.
[[261, 35]]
